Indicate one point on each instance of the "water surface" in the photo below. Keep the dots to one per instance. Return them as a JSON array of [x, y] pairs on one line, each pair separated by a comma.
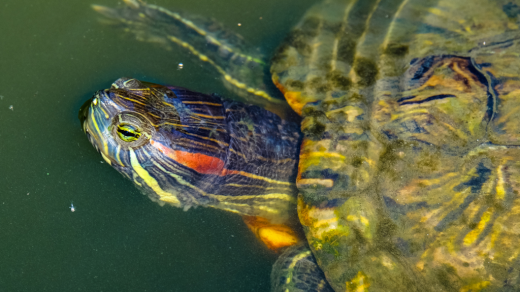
[[53, 55]]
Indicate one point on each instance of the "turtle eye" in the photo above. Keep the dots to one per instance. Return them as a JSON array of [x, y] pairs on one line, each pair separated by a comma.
[[128, 133], [131, 129]]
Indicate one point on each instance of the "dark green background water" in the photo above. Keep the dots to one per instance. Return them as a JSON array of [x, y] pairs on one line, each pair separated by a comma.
[[53, 55]]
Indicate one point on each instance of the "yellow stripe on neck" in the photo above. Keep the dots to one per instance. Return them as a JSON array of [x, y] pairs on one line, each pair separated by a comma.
[[150, 181]]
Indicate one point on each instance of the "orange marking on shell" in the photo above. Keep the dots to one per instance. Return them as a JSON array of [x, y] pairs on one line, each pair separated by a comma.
[[293, 98], [197, 161], [275, 236]]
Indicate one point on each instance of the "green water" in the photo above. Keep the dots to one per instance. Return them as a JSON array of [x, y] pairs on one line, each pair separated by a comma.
[[53, 55]]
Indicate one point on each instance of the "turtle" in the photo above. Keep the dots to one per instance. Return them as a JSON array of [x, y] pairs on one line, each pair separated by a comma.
[[408, 171]]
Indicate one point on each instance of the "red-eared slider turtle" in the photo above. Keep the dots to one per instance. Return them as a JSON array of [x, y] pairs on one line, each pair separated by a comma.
[[409, 172]]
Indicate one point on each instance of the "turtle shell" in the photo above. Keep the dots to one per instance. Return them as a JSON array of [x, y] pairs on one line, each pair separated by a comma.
[[409, 169]]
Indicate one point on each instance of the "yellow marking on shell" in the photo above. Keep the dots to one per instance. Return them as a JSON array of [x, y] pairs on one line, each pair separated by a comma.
[[150, 181], [409, 113], [358, 284], [473, 235], [430, 182], [335, 45], [358, 218], [500, 188], [324, 154], [387, 262], [447, 17], [328, 183], [202, 102], [325, 222], [512, 26], [319, 221], [475, 287], [352, 112], [390, 33], [454, 130], [352, 73], [436, 11]]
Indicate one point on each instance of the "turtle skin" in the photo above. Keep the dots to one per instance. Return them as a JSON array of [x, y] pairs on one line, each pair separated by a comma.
[[408, 173]]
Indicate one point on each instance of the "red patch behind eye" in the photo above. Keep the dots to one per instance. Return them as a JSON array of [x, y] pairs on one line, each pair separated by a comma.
[[199, 162]]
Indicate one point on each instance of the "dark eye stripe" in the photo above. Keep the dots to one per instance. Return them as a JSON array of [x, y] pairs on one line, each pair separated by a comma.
[[128, 133]]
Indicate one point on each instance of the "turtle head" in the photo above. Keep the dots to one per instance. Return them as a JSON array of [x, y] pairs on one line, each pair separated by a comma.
[[112, 119], [159, 138]]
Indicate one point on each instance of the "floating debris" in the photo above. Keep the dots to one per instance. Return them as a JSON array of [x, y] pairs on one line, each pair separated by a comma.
[[11, 107]]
